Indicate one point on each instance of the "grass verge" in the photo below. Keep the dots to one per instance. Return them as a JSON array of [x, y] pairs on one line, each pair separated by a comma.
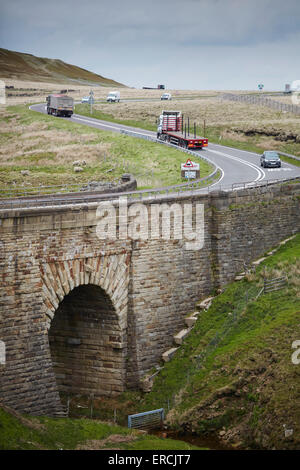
[[20, 432], [45, 148]]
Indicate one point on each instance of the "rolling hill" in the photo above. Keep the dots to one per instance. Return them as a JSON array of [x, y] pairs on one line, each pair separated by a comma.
[[21, 66]]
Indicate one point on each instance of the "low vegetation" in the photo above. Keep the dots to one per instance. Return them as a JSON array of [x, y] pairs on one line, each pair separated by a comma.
[[27, 67], [39, 150], [241, 125], [19, 432], [234, 373]]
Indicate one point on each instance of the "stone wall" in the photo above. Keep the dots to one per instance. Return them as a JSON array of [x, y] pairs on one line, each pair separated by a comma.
[[110, 308]]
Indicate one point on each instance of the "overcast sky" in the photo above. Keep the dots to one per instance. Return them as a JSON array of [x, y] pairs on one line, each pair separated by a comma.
[[185, 44]]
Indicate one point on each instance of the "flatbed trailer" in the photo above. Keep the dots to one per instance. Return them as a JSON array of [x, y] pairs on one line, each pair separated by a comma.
[[183, 140], [173, 129]]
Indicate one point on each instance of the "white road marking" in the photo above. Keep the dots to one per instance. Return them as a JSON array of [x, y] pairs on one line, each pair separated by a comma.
[[279, 169], [106, 125], [261, 173]]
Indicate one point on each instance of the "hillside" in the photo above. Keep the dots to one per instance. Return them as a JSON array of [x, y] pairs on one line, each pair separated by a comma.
[[21, 66], [234, 374], [233, 377]]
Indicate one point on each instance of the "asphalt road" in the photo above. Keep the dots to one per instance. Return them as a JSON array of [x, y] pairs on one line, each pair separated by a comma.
[[237, 166]]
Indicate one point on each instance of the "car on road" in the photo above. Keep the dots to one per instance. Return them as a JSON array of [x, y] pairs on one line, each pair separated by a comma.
[[270, 159], [166, 96], [87, 99]]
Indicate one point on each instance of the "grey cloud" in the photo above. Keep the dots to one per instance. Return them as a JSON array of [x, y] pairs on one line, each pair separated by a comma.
[[144, 39]]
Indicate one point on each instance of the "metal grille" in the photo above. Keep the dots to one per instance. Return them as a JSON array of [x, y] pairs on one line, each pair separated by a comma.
[[147, 420], [274, 284]]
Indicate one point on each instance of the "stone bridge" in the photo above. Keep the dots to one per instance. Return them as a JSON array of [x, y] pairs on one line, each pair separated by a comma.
[[85, 315]]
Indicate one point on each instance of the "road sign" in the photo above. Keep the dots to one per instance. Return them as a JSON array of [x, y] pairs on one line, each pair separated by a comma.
[[190, 165], [190, 170], [260, 86]]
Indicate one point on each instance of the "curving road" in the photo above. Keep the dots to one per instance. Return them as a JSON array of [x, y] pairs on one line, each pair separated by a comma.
[[237, 166]]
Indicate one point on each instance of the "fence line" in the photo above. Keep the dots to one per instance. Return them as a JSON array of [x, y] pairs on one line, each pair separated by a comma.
[[274, 284], [263, 101], [188, 189]]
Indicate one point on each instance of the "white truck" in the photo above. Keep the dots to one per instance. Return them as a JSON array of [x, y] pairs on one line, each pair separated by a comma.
[[113, 97]]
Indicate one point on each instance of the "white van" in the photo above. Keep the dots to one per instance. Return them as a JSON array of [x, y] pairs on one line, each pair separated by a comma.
[[113, 96], [166, 96]]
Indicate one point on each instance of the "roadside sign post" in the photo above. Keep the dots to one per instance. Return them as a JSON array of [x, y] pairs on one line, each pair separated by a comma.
[[190, 170], [91, 101]]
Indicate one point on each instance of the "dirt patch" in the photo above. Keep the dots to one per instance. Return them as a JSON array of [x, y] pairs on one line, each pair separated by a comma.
[[279, 133], [31, 423], [101, 444]]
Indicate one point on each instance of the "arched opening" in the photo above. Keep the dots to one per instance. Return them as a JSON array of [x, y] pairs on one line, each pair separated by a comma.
[[86, 344]]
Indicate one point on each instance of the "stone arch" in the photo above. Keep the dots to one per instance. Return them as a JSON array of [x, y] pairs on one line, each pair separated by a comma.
[[110, 272], [85, 303]]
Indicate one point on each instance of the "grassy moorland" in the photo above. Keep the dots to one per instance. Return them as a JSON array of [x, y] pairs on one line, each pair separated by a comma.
[[234, 373], [45, 148], [29, 67], [241, 125]]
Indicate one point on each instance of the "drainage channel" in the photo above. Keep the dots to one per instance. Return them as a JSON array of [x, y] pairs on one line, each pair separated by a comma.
[[210, 442]]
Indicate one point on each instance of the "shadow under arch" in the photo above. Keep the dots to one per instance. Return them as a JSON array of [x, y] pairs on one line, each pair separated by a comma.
[[86, 346]]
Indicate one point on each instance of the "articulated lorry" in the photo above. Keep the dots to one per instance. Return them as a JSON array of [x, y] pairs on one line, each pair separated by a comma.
[[60, 105], [174, 129]]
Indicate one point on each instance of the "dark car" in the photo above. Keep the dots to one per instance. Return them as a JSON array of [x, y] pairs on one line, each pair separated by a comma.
[[270, 159]]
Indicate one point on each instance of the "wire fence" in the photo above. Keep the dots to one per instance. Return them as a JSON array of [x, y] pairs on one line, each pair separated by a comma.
[[274, 284], [262, 101], [188, 189]]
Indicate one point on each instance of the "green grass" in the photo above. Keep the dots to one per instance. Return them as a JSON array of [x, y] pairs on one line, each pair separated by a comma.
[[239, 331], [84, 110], [292, 161], [34, 433], [151, 164], [213, 133]]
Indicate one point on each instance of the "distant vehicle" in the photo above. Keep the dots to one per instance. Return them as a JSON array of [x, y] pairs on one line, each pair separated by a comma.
[[270, 159], [60, 105], [166, 96], [287, 89], [161, 87], [113, 97], [295, 86], [88, 99]]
